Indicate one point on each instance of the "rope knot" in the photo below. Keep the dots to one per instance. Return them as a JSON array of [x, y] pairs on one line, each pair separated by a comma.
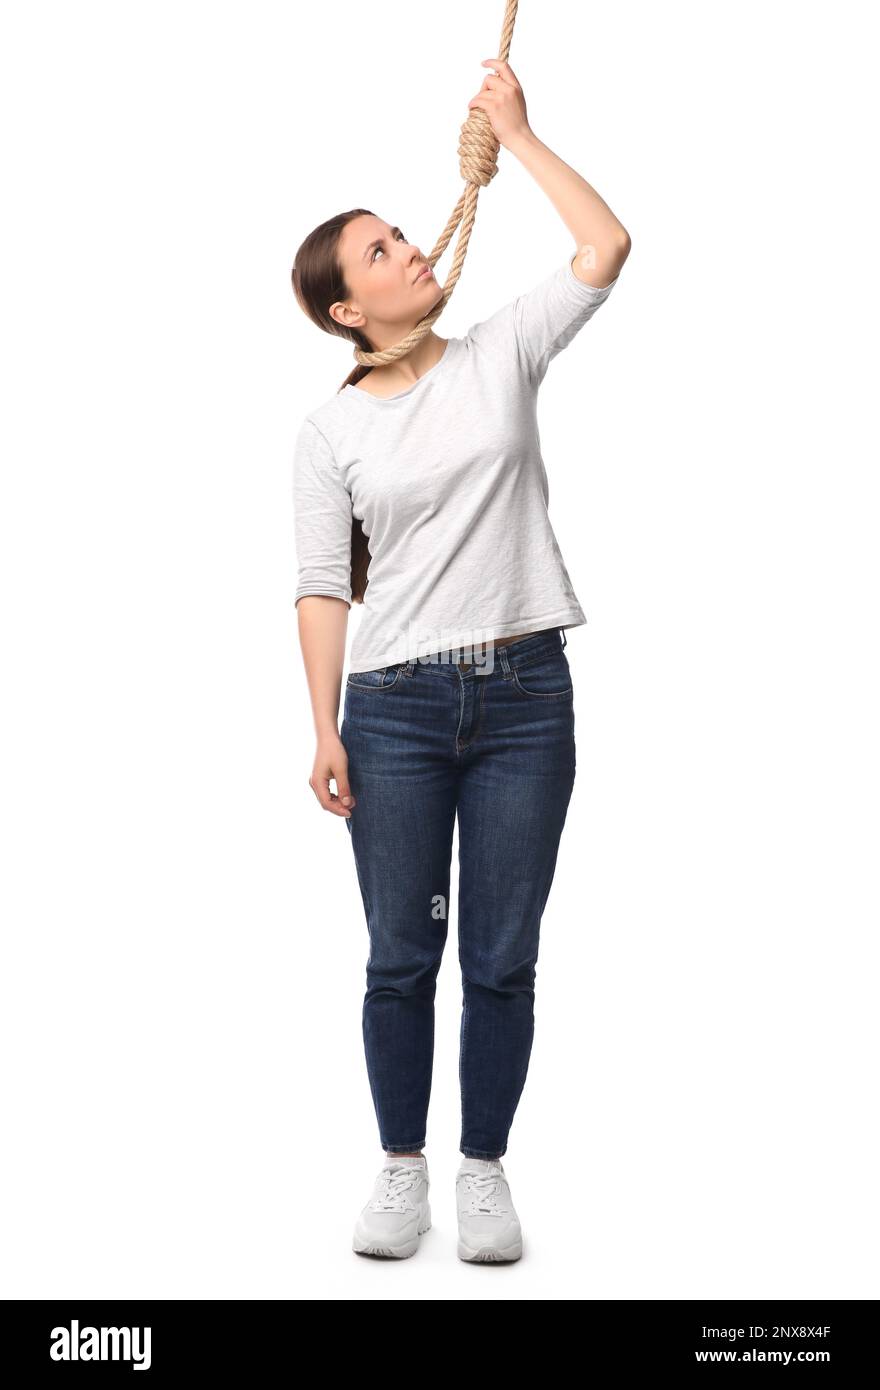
[[478, 149]]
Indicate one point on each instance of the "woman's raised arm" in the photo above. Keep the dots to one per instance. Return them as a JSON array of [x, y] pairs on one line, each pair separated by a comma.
[[603, 243]]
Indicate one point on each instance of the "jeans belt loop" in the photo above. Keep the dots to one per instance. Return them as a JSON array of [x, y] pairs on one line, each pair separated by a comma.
[[505, 662]]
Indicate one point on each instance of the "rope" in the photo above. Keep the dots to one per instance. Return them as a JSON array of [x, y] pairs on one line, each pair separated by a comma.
[[477, 151]]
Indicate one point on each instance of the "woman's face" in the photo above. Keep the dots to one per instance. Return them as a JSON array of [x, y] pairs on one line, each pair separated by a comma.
[[380, 268]]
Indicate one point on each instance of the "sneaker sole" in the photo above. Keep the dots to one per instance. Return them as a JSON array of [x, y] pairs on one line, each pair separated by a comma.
[[364, 1246], [490, 1254]]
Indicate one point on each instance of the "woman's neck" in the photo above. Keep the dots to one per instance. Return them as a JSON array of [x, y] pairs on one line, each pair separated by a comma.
[[406, 371]]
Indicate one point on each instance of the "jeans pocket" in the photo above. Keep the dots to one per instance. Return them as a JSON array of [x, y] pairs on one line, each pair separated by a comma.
[[383, 678], [548, 678]]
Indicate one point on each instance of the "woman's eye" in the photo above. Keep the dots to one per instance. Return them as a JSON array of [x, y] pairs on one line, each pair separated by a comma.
[[401, 237]]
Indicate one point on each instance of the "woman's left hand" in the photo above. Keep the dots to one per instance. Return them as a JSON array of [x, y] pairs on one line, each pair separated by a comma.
[[501, 97]]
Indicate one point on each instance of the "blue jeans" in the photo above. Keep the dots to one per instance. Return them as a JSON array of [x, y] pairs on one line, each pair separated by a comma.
[[427, 740]]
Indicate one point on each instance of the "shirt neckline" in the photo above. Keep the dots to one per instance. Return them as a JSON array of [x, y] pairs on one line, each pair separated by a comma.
[[401, 395]]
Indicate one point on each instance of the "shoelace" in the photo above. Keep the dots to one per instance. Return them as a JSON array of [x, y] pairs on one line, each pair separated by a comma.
[[485, 1189], [396, 1182]]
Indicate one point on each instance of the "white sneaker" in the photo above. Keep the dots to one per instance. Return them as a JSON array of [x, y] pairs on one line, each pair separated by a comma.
[[398, 1211], [488, 1226]]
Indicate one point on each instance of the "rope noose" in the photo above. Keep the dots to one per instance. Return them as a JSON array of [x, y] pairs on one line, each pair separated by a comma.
[[477, 152]]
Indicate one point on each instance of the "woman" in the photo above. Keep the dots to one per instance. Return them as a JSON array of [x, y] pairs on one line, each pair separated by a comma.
[[459, 701]]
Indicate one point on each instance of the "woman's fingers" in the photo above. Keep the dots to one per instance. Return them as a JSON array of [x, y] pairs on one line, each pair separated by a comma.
[[320, 785], [344, 790], [333, 801], [505, 71], [504, 77]]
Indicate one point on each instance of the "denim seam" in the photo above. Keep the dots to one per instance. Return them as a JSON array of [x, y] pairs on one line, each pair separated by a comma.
[[542, 694], [461, 1052], [479, 727], [458, 743]]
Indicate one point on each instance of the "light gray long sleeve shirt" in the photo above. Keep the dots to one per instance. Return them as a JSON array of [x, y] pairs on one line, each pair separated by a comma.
[[449, 483]]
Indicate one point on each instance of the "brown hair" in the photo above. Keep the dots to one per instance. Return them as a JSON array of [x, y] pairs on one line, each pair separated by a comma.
[[318, 282]]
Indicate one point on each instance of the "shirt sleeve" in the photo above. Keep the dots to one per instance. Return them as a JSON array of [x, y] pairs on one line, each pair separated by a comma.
[[322, 519], [537, 325]]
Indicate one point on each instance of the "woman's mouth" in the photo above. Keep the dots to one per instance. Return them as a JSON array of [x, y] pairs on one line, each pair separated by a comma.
[[422, 273]]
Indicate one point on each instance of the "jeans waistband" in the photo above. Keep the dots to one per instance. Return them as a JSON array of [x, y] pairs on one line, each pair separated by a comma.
[[503, 656]]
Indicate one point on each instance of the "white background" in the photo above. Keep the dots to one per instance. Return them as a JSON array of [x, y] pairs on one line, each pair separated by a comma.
[[185, 1103]]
